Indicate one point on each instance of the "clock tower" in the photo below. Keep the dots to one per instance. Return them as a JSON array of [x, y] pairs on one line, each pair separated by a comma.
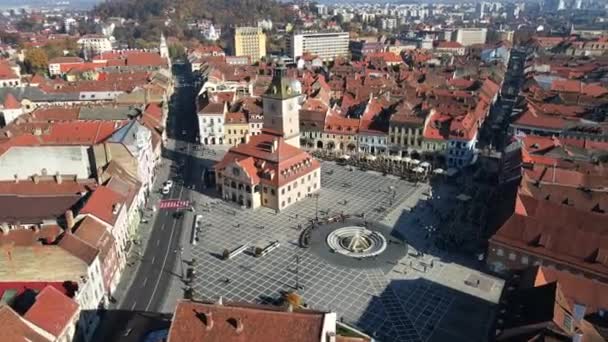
[[281, 107]]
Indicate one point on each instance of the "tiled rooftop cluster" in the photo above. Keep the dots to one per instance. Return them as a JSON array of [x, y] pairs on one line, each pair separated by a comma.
[[75, 165], [386, 101], [556, 240]]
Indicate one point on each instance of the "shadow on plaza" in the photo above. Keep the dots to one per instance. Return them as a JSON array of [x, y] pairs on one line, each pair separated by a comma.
[[420, 309], [131, 326], [462, 234]]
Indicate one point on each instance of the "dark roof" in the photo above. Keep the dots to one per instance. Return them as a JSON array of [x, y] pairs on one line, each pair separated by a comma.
[[35, 209]]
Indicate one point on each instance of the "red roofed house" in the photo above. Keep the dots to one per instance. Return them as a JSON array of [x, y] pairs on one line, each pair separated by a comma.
[[54, 313], [198, 322], [270, 169], [109, 207], [9, 74], [542, 232], [9, 110]]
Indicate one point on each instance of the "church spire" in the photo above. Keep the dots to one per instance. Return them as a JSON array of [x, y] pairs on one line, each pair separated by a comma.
[[163, 48]]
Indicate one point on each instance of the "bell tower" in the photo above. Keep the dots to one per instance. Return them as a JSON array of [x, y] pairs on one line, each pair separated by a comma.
[[282, 107]]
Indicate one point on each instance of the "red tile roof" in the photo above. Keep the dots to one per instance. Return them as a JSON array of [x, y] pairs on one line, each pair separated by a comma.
[[17, 329], [273, 167], [557, 232], [102, 203], [79, 248], [448, 45], [258, 323], [52, 311], [10, 102], [577, 289]]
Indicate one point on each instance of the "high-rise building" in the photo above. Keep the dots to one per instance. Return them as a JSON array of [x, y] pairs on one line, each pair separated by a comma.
[[250, 42], [471, 36], [325, 45], [480, 10]]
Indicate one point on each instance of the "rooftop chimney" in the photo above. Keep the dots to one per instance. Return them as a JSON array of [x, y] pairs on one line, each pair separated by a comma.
[[115, 208], [58, 178], [69, 220], [35, 178]]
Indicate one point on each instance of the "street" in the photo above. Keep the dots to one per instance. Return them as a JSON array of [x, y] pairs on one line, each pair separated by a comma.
[[155, 269]]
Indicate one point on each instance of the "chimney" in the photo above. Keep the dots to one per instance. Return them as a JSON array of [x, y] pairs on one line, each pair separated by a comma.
[[115, 208], [247, 136], [16, 176], [35, 178], [69, 220], [275, 145], [289, 307], [58, 178], [220, 301]]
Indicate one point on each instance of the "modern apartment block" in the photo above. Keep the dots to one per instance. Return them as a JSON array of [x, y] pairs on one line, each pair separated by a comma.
[[471, 36], [250, 42], [325, 45]]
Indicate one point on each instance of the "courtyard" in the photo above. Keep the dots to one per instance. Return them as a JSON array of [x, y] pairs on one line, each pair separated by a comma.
[[424, 295]]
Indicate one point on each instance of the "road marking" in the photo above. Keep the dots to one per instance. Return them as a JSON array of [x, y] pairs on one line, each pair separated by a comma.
[[157, 243], [153, 258], [145, 281], [160, 273], [133, 306]]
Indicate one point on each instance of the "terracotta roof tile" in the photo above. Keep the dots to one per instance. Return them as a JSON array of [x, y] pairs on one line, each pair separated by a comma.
[[259, 323], [104, 204], [78, 247], [17, 329], [52, 311]]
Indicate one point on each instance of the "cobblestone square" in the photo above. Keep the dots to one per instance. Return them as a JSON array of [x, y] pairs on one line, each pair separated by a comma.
[[395, 303]]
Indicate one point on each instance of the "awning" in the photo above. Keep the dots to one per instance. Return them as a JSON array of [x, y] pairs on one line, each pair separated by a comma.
[[415, 161], [372, 158], [345, 157], [425, 164], [418, 169]]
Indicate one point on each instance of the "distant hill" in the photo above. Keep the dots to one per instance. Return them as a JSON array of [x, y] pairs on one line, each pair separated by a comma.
[[225, 13]]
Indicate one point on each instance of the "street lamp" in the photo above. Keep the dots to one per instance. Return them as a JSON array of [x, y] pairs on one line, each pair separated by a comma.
[[316, 196]]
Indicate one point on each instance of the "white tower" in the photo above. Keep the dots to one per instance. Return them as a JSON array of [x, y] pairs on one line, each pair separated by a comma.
[[282, 107], [163, 48]]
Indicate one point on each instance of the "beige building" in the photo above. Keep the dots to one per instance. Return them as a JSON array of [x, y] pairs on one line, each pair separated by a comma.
[[471, 36], [270, 169], [250, 42], [236, 128]]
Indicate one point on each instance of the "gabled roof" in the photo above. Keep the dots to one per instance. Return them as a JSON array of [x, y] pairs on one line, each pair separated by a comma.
[[52, 311], [10, 102], [192, 322], [103, 204], [78, 248], [17, 329]]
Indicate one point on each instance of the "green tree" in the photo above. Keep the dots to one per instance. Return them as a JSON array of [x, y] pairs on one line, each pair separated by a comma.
[[177, 50], [36, 61]]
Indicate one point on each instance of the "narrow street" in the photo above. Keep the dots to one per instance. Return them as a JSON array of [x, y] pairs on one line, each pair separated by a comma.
[[159, 264]]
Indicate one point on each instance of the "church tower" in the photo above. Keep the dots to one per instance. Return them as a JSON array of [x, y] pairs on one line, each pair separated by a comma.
[[163, 48], [282, 107]]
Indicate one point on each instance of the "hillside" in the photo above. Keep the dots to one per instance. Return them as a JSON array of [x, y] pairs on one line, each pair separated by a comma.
[[225, 13]]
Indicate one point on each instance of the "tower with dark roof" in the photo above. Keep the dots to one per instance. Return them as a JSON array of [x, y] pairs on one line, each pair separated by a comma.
[[281, 107]]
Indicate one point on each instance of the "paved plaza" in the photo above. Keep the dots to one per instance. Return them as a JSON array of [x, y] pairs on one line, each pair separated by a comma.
[[418, 298]]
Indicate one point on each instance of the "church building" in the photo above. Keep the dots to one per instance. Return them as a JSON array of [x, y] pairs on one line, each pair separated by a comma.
[[270, 169]]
